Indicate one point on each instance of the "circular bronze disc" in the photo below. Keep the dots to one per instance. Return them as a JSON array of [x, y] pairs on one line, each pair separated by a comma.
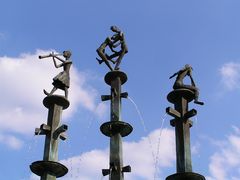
[[186, 176], [50, 167], [110, 76], [175, 95], [113, 127], [56, 99]]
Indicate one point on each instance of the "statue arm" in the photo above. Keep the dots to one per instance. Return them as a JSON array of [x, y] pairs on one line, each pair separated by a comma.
[[173, 75], [116, 45], [192, 81], [111, 47], [117, 39], [55, 63], [59, 59]]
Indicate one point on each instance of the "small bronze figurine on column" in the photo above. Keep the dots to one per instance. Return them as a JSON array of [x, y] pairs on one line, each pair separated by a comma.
[[62, 80], [181, 96], [113, 43], [115, 128], [181, 74], [49, 168]]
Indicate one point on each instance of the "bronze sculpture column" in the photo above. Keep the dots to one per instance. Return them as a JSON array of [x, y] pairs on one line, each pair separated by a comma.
[[181, 96], [115, 128], [49, 168]]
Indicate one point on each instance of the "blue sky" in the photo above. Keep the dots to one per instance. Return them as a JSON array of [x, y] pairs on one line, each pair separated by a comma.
[[162, 37]]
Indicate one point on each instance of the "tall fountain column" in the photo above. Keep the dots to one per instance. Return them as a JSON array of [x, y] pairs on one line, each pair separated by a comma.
[[115, 128], [49, 168], [181, 96]]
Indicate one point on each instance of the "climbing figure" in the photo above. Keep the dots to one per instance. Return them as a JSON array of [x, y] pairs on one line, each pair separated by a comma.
[[181, 74], [62, 80], [113, 43]]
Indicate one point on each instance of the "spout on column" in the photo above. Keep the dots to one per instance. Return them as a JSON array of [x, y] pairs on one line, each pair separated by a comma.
[[63, 128]]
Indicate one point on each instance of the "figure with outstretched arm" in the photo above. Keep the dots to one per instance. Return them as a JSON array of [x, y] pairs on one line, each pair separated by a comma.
[[118, 40], [181, 74], [62, 80], [113, 43], [101, 52]]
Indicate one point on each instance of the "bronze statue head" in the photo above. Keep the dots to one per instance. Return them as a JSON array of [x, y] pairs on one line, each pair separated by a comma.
[[115, 29], [67, 54], [187, 66]]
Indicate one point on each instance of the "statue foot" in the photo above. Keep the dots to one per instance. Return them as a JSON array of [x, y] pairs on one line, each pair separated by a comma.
[[45, 92], [99, 61], [199, 102]]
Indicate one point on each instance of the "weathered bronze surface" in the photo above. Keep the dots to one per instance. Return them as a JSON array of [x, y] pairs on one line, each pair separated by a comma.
[[62, 80], [181, 74], [116, 128], [117, 45], [112, 128], [52, 168], [186, 176], [49, 168], [181, 96]]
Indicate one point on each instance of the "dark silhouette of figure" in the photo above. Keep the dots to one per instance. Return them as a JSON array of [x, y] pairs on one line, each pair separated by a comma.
[[113, 42], [62, 80], [181, 74]]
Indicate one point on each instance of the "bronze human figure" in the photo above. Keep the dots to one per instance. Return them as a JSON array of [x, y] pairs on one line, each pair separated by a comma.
[[113, 43], [181, 74], [62, 80]]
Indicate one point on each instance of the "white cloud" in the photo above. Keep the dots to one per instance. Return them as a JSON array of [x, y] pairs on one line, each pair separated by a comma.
[[225, 163], [22, 80], [230, 73], [11, 141], [138, 155]]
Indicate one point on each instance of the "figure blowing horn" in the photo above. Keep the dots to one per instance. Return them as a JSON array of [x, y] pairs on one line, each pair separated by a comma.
[[50, 55]]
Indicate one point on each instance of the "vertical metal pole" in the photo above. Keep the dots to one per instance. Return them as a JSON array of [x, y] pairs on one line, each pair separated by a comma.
[[182, 131], [180, 98], [116, 160], [116, 128], [49, 168], [51, 144]]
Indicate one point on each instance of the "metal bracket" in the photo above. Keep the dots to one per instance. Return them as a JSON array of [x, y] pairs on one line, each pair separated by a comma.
[[105, 97], [124, 95], [59, 132], [190, 114], [172, 122], [44, 129], [127, 169], [109, 97], [173, 112], [105, 172]]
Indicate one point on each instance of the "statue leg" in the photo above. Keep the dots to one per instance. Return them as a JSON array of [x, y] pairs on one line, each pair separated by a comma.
[[66, 92], [118, 61], [104, 58], [48, 94], [196, 93], [196, 101]]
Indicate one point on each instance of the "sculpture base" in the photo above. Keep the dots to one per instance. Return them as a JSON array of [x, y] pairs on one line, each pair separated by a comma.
[[51, 100], [53, 168], [113, 127], [186, 176], [110, 76], [176, 95]]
